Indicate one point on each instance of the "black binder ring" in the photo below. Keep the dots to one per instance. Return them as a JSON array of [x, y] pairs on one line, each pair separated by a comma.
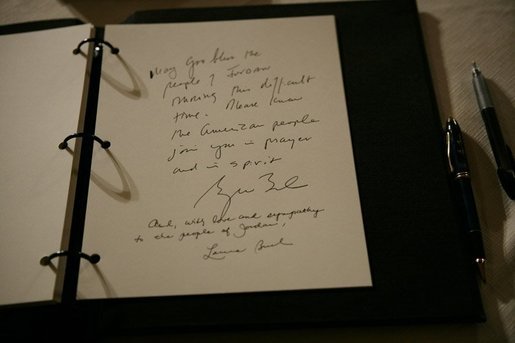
[[64, 144], [45, 260], [114, 50]]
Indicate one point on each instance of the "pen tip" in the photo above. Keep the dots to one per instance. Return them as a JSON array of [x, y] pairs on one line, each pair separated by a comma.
[[451, 121], [480, 262], [475, 68]]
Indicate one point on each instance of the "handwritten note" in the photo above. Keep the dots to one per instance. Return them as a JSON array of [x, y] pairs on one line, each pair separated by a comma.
[[231, 168]]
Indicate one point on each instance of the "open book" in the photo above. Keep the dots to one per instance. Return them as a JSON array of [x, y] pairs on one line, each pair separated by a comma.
[[231, 161], [261, 157]]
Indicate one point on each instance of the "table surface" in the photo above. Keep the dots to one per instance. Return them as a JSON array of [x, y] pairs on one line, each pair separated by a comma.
[[456, 33]]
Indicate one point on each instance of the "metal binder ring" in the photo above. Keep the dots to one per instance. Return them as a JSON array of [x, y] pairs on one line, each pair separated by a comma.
[[64, 144], [45, 260], [114, 50]]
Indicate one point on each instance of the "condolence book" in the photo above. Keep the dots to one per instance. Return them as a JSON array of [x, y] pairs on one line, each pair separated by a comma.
[[228, 167]]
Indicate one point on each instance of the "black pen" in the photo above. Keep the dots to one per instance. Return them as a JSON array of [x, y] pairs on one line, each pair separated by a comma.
[[458, 167], [502, 152]]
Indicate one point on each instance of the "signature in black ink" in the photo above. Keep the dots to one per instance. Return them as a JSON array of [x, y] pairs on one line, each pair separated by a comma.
[[227, 196], [288, 184], [216, 254], [270, 184], [261, 245]]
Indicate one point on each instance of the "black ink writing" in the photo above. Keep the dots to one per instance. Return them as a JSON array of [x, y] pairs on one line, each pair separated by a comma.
[[304, 120], [178, 170], [178, 100], [237, 70], [194, 234], [285, 140], [220, 56], [180, 151], [245, 227], [238, 90], [217, 254], [221, 193], [155, 223], [171, 72], [234, 104], [186, 115], [191, 63], [288, 184], [290, 214], [261, 245], [218, 149], [180, 84]]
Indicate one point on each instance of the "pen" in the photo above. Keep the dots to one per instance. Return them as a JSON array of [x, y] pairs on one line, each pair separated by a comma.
[[458, 167], [502, 152]]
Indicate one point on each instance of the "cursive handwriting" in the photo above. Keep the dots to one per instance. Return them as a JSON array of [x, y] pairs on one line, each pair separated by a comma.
[[180, 84], [244, 228], [186, 115], [271, 184], [288, 184], [219, 120], [191, 63], [155, 223], [304, 120], [291, 214], [220, 56], [237, 70], [253, 163], [261, 245], [195, 234], [207, 130], [171, 72], [291, 141], [216, 254], [180, 151], [178, 100], [234, 104], [227, 196]]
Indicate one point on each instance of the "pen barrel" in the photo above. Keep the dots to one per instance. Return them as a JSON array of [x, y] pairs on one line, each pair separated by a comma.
[[482, 94], [475, 245], [493, 130], [470, 217], [467, 204]]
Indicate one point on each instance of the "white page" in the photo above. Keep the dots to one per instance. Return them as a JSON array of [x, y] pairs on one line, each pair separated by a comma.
[[40, 99], [231, 168]]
